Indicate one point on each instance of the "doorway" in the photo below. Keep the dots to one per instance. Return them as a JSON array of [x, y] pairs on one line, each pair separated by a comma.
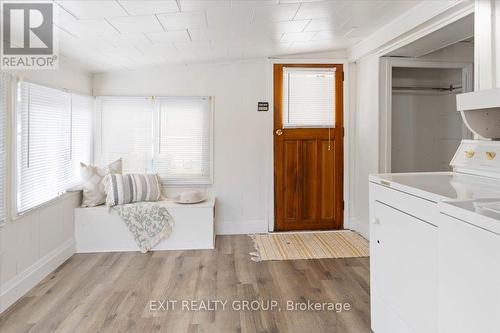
[[420, 125], [308, 147]]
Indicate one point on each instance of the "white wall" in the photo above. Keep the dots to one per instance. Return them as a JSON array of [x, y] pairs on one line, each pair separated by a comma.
[[366, 145], [487, 51], [36, 243], [243, 173], [458, 52], [69, 76]]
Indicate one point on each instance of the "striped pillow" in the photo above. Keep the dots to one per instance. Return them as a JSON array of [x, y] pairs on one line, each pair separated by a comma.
[[123, 189]]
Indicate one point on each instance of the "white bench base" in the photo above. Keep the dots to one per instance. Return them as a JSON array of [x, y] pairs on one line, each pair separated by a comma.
[[98, 229]]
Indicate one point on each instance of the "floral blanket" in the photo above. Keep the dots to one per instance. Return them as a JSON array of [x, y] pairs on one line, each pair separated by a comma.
[[149, 222]]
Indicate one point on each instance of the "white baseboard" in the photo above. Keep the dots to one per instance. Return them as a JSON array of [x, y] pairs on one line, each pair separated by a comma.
[[240, 227], [23, 282], [362, 227]]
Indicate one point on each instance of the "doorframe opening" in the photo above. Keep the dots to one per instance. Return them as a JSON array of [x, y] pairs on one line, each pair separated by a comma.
[[387, 64], [348, 136]]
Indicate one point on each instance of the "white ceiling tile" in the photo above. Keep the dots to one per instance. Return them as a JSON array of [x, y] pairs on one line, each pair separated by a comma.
[[62, 17], [92, 28], [209, 34], [192, 5], [136, 24], [92, 9], [311, 46], [200, 46], [169, 36], [298, 1], [126, 51], [320, 9], [183, 20], [164, 48], [326, 35], [318, 24], [95, 43], [229, 18], [146, 7], [289, 26], [297, 37], [128, 39], [276, 13], [318, 46]]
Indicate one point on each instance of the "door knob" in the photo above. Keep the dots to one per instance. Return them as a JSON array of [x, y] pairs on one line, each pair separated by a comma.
[[279, 131]]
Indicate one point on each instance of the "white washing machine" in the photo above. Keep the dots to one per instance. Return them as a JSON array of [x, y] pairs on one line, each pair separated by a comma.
[[419, 264], [469, 266]]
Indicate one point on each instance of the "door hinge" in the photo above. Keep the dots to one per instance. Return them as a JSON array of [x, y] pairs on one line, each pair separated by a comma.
[[343, 205], [343, 77], [343, 132]]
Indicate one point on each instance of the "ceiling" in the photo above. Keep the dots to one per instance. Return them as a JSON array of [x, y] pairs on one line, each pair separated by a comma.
[[460, 30], [107, 35]]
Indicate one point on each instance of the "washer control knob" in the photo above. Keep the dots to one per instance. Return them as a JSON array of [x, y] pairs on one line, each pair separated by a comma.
[[490, 155], [469, 153]]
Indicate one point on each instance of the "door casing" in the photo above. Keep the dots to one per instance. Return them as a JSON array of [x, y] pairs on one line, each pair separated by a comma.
[[340, 158]]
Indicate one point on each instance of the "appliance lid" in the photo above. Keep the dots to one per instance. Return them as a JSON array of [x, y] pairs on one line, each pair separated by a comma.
[[483, 213], [480, 112]]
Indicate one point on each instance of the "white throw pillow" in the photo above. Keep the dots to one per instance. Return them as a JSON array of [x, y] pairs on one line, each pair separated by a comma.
[[93, 188], [124, 189]]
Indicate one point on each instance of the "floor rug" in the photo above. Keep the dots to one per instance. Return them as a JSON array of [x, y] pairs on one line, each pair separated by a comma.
[[309, 245]]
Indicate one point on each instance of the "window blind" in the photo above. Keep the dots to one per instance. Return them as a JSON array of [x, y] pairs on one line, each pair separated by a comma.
[[308, 97], [127, 132], [3, 138], [51, 139], [82, 115], [183, 155]]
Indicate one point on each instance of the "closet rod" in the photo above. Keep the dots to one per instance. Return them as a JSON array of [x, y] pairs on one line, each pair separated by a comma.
[[450, 88]]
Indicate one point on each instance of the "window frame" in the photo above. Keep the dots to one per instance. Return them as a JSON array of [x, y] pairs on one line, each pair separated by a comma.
[[286, 72], [170, 182], [14, 212], [184, 181], [7, 80]]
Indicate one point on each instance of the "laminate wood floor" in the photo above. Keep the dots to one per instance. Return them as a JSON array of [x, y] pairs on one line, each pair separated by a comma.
[[114, 292]]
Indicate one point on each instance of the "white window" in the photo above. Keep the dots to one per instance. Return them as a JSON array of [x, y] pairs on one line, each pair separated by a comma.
[[170, 136], [183, 154], [3, 138], [127, 132], [50, 141], [308, 97], [82, 136]]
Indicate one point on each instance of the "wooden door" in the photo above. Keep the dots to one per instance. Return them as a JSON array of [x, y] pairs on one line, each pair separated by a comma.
[[308, 164]]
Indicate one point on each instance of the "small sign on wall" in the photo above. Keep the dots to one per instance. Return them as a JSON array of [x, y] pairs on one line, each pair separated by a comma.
[[263, 106]]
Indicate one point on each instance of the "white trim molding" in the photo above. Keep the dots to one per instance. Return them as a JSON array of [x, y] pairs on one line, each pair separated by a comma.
[[348, 129], [418, 22], [241, 227], [18, 286], [386, 67]]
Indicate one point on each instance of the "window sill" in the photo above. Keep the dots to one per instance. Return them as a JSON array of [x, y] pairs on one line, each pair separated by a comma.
[[186, 182], [46, 204]]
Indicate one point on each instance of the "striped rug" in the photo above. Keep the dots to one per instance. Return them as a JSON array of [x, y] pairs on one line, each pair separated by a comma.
[[309, 245]]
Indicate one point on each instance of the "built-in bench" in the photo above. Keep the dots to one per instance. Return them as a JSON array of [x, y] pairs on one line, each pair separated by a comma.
[[99, 229]]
